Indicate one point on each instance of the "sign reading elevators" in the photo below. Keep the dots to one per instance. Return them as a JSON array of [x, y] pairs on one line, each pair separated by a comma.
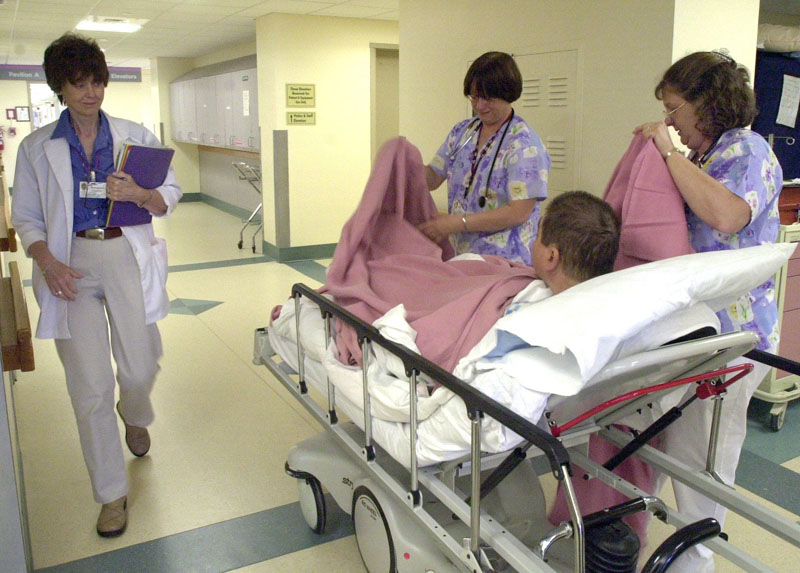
[[301, 118], [300, 95]]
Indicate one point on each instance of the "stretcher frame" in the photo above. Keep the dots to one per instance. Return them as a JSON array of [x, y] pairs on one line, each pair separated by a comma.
[[437, 480]]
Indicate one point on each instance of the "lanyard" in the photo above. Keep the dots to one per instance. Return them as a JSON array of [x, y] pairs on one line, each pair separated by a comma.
[[482, 198]]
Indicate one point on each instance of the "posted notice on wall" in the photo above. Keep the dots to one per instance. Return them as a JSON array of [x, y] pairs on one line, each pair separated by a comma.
[[790, 101], [301, 95], [301, 117]]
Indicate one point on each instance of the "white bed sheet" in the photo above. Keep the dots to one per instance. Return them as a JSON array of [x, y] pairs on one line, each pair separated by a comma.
[[444, 430], [558, 345]]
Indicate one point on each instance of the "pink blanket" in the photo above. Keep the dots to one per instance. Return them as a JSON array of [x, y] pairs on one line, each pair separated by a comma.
[[641, 191], [382, 260]]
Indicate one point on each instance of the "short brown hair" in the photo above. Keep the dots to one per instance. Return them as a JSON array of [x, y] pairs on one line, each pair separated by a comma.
[[72, 58], [494, 75], [585, 230], [717, 86]]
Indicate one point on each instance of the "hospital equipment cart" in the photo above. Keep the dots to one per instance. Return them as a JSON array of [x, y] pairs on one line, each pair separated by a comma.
[[253, 176], [779, 387]]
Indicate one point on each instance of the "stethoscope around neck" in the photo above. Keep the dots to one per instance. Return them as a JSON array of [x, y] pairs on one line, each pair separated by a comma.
[[473, 129]]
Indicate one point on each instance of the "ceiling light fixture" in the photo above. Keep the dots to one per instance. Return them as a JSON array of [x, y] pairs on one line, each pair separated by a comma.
[[110, 24]]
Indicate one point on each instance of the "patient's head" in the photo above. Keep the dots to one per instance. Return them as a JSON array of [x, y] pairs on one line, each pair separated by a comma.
[[578, 239]]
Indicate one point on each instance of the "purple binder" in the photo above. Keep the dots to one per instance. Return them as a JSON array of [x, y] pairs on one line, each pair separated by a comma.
[[149, 167]]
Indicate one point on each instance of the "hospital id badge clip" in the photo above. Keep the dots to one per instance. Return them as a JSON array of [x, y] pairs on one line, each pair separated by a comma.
[[92, 190]]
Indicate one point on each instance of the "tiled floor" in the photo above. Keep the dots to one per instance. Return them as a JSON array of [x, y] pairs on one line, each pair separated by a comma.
[[212, 494]]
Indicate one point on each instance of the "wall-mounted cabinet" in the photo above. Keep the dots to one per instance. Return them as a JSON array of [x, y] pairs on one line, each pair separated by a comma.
[[217, 109]]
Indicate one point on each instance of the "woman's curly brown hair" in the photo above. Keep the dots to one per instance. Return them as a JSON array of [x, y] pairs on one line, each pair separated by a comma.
[[717, 86], [72, 58]]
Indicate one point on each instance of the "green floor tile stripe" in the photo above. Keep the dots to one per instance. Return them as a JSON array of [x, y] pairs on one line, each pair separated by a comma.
[[220, 547], [777, 447], [220, 264], [769, 480]]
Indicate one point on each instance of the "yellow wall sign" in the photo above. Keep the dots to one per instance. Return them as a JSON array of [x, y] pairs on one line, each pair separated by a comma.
[[301, 118], [301, 95]]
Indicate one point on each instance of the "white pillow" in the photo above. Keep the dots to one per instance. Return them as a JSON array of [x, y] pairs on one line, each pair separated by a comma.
[[540, 370], [591, 319], [777, 38]]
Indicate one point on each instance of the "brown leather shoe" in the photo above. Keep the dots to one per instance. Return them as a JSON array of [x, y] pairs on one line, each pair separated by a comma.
[[113, 518], [138, 439]]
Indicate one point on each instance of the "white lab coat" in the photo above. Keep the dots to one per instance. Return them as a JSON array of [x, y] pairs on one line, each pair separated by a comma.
[[41, 210]]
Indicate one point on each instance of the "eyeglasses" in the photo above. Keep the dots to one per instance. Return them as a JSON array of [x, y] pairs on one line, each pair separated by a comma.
[[672, 111], [476, 98]]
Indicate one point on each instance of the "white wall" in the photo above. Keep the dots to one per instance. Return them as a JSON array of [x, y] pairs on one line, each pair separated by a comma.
[[131, 100], [13, 94], [186, 159], [329, 162]]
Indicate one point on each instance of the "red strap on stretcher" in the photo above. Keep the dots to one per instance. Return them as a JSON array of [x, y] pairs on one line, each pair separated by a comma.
[[705, 389]]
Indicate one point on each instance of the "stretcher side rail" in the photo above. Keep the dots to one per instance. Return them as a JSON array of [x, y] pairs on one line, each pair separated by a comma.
[[757, 513], [475, 401], [518, 555], [477, 405], [645, 369], [779, 362]]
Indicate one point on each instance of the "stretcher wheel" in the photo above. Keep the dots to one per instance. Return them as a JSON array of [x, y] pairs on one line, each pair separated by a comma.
[[312, 503], [372, 532], [776, 421], [239, 244]]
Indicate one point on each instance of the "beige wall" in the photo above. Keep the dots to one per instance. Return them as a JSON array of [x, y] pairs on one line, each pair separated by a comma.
[[623, 48], [615, 75], [329, 162], [766, 17], [715, 24], [231, 52]]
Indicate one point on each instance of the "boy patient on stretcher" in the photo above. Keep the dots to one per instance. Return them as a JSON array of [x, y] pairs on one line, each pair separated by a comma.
[[578, 240]]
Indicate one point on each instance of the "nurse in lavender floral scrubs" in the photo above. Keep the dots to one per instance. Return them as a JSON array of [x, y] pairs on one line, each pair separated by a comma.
[[730, 182], [496, 169]]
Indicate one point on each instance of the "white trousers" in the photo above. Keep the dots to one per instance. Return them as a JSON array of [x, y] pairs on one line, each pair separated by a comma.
[[687, 440], [109, 298]]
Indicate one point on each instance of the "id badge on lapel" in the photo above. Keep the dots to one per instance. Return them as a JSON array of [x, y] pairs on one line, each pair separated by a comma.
[[92, 190]]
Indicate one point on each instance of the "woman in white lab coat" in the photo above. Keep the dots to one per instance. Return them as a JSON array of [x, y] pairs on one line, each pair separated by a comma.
[[90, 279]]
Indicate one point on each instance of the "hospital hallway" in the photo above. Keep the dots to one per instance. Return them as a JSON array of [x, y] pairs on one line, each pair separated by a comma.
[[212, 494]]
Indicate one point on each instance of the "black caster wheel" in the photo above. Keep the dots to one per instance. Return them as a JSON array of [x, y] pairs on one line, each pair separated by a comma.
[[239, 244], [776, 421], [312, 503]]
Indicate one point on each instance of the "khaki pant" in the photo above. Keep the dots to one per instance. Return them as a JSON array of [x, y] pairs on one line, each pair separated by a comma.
[[109, 299]]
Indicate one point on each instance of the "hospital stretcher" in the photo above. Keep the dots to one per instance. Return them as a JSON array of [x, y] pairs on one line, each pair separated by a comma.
[[409, 517]]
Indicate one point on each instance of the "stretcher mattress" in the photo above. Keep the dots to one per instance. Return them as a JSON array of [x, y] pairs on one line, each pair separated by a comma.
[[547, 345]]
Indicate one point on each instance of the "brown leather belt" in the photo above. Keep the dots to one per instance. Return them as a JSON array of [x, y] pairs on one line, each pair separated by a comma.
[[100, 234]]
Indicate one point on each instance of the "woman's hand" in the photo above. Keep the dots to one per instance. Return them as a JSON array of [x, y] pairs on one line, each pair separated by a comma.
[[121, 187], [61, 279], [658, 132], [440, 228]]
